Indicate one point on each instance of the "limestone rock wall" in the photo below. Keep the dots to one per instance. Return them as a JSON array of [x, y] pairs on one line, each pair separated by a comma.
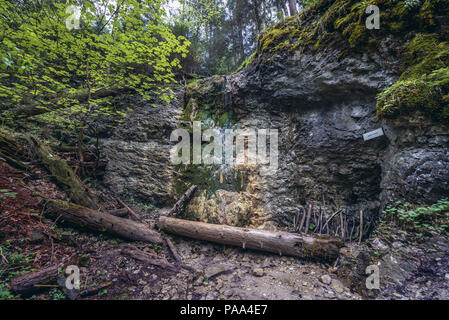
[[138, 152], [321, 105]]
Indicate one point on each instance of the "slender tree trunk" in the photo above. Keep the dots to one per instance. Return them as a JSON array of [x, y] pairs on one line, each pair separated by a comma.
[[257, 20], [292, 7], [240, 45]]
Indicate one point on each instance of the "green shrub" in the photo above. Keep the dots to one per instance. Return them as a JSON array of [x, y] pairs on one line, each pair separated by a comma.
[[420, 218], [6, 294]]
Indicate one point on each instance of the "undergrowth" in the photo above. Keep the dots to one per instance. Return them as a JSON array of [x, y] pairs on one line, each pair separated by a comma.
[[13, 263], [419, 219]]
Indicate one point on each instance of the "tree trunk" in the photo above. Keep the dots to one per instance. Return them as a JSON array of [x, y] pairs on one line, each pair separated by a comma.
[[284, 7], [257, 20], [10, 152], [280, 13], [29, 283], [98, 221], [240, 40], [292, 7], [291, 244], [64, 175], [123, 212]]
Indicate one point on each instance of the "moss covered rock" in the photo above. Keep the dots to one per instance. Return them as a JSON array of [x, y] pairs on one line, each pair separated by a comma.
[[341, 25], [424, 84]]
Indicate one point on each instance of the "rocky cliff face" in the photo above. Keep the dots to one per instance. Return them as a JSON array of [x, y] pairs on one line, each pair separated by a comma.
[[321, 103], [415, 167], [321, 108], [138, 151]]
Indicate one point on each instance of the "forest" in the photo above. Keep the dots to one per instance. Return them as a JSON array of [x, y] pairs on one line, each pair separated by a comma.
[[224, 150]]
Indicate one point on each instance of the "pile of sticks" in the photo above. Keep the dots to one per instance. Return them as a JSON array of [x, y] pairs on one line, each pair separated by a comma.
[[341, 222]]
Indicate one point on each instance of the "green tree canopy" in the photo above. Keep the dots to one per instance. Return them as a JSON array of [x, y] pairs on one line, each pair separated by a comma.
[[48, 61]]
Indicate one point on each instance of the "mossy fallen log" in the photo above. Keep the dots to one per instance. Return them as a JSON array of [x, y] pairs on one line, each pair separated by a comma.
[[10, 152], [99, 221], [63, 175], [283, 243]]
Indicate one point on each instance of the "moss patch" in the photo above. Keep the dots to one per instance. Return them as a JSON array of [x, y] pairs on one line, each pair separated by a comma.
[[206, 178], [209, 102], [64, 175], [341, 24], [424, 84]]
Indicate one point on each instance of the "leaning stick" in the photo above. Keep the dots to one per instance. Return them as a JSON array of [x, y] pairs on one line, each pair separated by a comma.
[[361, 226], [303, 219], [130, 210], [173, 250], [185, 197], [309, 212], [352, 230], [332, 216], [321, 220], [342, 226]]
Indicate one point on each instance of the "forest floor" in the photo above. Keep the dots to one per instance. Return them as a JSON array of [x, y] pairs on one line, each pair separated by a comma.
[[30, 242]]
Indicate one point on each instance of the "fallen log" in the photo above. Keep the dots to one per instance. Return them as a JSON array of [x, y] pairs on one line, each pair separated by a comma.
[[10, 152], [173, 251], [185, 197], [98, 221], [94, 289], [123, 212], [148, 258], [292, 244], [64, 175], [35, 281]]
